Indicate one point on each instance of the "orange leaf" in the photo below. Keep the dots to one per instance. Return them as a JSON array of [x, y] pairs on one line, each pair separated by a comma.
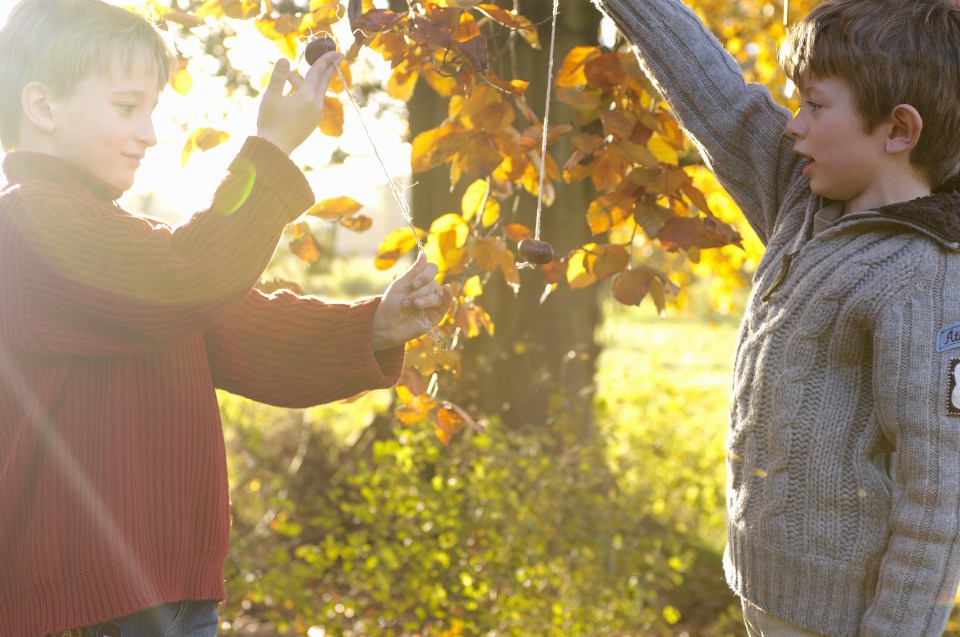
[[610, 260], [518, 232], [202, 139], [512, 21], [705, 232], [604, 71], [335, 208], [608, 211], [304, 244], [632, 285], [360, 223], [434, 147], [572, 74], [331, 121]]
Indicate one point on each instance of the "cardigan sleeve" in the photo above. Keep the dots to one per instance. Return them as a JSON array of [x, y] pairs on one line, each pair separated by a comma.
[[919, 570], [93, 280], [298, 351], [738, 128]]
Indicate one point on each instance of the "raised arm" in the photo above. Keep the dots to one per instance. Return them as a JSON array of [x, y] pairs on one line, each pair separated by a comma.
[[738, 127]]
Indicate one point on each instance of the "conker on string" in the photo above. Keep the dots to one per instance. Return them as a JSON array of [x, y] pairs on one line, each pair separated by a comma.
[[317, 47], [535, 251]]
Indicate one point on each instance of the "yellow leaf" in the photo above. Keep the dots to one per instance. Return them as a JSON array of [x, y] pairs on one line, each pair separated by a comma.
[[579, 267], [472, 287], [663, 150], [473, 198], [182, 82], [395, 245], [335, 208], [402, 81]]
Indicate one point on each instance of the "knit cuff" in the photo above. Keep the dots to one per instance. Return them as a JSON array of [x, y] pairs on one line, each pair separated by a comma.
[[276, 172], [362, 365]]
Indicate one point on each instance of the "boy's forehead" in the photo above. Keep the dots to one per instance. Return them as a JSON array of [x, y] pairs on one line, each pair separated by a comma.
[[136, 67]]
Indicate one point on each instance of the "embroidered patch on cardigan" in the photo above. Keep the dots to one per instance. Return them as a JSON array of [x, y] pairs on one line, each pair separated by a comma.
[[953, 387], [948, 337]]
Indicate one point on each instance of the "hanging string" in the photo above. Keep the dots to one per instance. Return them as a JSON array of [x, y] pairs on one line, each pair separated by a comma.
[[429, 328], [394, 188], [546, 117]]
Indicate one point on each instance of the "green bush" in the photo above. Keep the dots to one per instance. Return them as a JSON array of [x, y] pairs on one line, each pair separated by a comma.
[[346, 524]]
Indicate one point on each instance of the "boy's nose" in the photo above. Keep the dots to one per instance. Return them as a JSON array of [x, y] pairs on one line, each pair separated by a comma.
[[794, 127], [148, 134]]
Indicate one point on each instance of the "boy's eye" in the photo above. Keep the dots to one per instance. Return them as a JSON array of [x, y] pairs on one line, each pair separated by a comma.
[[814, 106], [127, 108]]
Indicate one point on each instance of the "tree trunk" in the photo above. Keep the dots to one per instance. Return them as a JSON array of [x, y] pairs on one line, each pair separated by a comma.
[[541, 364]]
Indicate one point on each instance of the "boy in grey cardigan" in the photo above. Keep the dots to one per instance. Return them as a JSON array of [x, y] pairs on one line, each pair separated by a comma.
[[844, 442]]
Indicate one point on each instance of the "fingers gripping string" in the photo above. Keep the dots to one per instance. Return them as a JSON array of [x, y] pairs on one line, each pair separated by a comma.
[[423, 321]]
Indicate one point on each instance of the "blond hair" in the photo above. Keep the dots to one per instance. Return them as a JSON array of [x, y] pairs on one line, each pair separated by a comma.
[[59, 42], [890, 52]]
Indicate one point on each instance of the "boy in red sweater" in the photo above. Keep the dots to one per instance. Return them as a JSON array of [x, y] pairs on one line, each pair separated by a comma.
[[115, 330]]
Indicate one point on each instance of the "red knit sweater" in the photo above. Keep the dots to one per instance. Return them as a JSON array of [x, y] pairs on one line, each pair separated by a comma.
[[114, 332]]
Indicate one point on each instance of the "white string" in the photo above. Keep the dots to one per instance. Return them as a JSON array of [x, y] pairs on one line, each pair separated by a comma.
[[546, 117], [423, 321], [394, 188]]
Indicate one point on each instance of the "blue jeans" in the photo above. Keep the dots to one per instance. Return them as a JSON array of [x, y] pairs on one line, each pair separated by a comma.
[[179, 619]]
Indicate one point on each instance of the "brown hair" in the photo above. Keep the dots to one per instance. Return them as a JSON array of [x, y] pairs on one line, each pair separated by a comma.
[[58, 42], [890, 52]]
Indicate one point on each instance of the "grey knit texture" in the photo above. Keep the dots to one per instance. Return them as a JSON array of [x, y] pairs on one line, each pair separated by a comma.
[[843, 449]]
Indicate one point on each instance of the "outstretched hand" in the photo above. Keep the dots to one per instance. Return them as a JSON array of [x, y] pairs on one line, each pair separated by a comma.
[[410, 298], [287, 120]]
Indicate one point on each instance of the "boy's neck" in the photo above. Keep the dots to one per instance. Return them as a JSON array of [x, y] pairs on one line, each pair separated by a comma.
[[897, 188]]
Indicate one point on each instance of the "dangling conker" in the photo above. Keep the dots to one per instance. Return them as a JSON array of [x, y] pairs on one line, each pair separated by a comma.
[[535, 251], [317, 48]]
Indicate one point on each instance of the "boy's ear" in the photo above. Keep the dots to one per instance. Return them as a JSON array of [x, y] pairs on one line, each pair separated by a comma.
[[35, 101], [905, 126]]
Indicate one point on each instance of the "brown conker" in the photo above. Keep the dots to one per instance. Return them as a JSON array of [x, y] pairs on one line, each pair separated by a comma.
[[536, 251], [317, 47]]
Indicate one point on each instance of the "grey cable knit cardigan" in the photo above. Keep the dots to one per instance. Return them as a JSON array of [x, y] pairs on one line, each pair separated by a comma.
[[844, 442]]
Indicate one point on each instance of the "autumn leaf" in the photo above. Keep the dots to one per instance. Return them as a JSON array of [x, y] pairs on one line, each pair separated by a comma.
[[202, 139], [475, 50], [396, 244], [335, 208], [608, 211], [572, 73], [514, 21], [475, 196], [331, 121], [632, 285], [610, 260], [413, 408], [518, 232], [304, 244], [434, 147], [182, 83], [359, 223], [580, 267], [705, 232]]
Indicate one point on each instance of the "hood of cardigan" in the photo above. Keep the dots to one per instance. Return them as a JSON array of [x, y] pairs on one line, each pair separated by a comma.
[[21, 167], [936, 216]]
